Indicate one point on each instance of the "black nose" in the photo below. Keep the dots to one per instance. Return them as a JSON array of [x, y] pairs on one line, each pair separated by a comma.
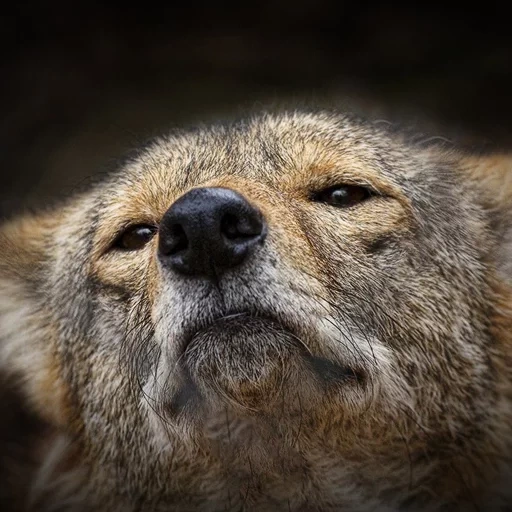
[[209, 230]]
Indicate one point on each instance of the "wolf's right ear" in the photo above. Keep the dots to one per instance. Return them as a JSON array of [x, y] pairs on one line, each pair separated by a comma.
[[24, 246], [27, 359]]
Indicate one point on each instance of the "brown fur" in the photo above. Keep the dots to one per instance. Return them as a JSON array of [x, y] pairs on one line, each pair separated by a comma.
[[409, 293]]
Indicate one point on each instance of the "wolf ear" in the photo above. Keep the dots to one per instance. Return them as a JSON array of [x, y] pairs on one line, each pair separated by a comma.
[[25, 320], [492, 175], [32, 395], [24, 246]]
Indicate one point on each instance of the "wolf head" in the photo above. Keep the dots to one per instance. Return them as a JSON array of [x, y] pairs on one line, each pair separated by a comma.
[[295, 310]]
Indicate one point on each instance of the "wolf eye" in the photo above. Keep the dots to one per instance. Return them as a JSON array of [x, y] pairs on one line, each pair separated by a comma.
[[342, 196], [135, 237]]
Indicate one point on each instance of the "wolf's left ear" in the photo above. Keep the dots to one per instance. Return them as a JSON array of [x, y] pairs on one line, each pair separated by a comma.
[[492, 177]]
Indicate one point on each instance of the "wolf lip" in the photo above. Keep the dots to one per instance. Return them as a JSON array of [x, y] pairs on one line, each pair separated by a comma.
[[231, 321], [231, 324], [234, 324]]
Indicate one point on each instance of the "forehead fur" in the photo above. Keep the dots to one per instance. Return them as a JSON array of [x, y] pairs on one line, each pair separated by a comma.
[[264, 147]]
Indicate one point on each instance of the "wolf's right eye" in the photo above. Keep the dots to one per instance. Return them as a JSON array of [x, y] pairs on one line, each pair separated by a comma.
[[135, 237]]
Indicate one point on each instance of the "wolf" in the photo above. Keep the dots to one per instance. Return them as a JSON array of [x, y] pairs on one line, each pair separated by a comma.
[[296, 311]]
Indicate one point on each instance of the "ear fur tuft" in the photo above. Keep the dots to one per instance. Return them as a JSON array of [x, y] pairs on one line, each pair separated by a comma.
[[492, 176]]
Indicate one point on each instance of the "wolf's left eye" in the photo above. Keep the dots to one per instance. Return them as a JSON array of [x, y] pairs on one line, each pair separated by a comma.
[[342, 196], [135, 237]]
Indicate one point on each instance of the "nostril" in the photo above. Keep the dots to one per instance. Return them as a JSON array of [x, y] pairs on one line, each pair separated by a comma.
[[176, 240], [229, 226], [235, 227]]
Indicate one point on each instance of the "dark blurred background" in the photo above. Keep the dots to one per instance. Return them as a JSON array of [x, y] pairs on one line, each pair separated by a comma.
[[83, 83]]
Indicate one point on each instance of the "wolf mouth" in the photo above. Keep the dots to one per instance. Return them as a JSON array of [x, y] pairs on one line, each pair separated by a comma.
[[240, 323], [233, 321], [250, 359]]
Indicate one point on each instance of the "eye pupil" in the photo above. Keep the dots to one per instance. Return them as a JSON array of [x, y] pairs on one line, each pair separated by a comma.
[[342, 196], [135, 237]]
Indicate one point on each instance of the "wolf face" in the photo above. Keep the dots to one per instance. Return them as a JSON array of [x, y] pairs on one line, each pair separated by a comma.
[[293, 312]]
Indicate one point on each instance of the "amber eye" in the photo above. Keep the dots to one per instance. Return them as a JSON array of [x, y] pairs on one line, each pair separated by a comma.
[[135, 237], [342, 196]]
